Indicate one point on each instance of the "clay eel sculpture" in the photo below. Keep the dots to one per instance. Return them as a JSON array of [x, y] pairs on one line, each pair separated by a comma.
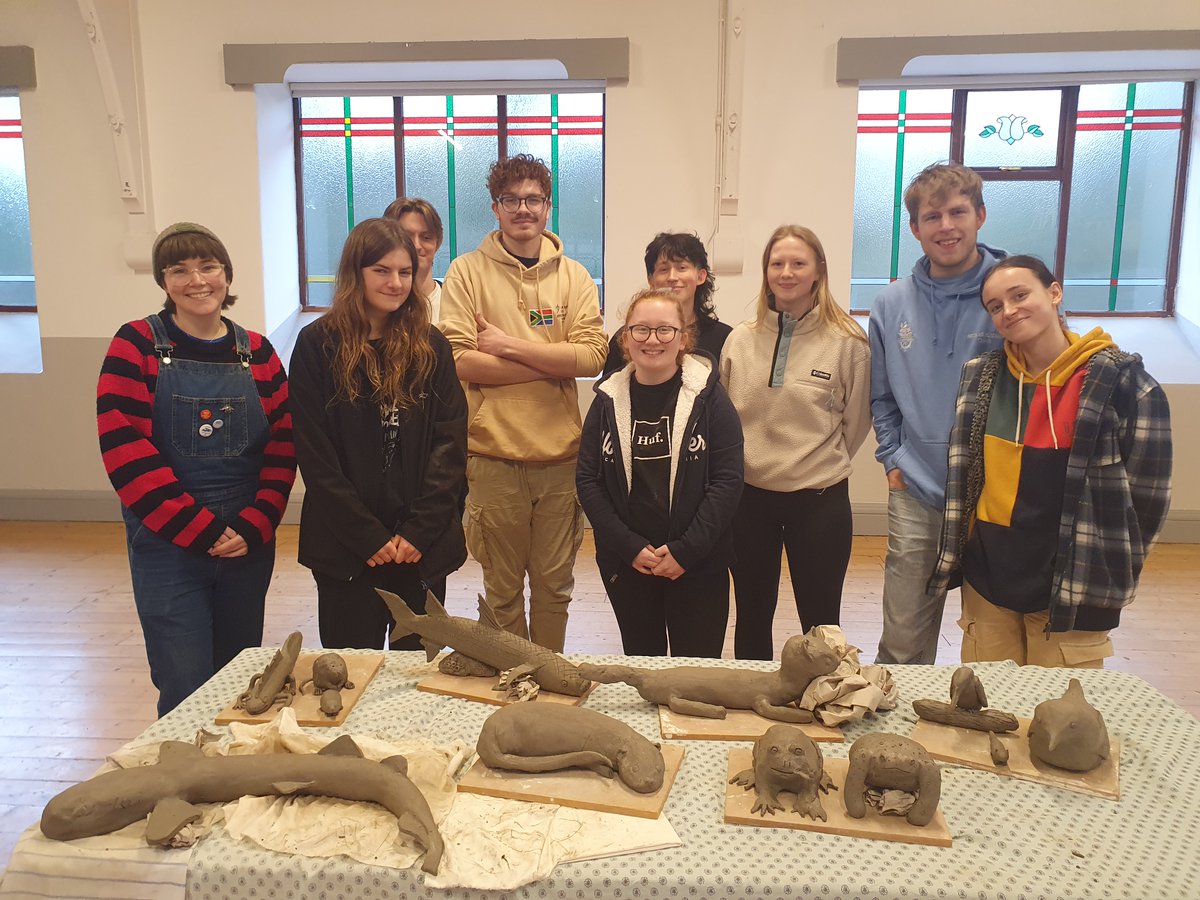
[[1068, 732], [966, 706], [545, 737], [183, 773], [891, 762], [786, 759], [484, 641], [275, 683], [709, 691], [329, 673]]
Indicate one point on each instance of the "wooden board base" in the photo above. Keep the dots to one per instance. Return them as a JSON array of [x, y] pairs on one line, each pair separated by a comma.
[[739, 802], [360, 668], [479, 689], [578, 788], [738, 725], [970, 748]]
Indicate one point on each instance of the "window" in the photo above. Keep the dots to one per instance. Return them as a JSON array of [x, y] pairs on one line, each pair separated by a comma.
[[16, 250], [1090, 178], [357, 154]]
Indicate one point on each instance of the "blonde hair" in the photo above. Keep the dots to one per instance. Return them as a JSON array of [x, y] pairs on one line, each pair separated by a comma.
[[940, 181], [827, 309], [687, 334]]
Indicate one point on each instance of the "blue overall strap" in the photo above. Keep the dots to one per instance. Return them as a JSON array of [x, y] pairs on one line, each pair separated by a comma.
[[162, 343], [242, 342]]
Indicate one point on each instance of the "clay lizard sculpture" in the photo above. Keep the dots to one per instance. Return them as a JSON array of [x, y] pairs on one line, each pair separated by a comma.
[[786, 759], [275, 683], [184, 775], [709, 691], [545, 737], [892, 762], [1068, 732], [484, 641]]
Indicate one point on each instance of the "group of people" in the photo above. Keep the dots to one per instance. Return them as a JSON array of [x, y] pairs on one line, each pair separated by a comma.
[[1028, 463]]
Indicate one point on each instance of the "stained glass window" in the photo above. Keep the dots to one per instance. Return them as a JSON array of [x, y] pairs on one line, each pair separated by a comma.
[[1086, 177], [357, 154], [16, 250]]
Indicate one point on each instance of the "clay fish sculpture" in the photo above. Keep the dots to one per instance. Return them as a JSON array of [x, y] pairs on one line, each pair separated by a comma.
[[1069, 732], [786, 759], [546, 737], [183, 773], [484, 641], [275, 683], [709, 691]]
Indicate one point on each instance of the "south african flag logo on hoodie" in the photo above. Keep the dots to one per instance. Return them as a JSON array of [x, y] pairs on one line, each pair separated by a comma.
[[541, 318]]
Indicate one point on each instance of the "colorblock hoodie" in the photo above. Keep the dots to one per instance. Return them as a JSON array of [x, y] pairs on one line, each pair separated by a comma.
[[553, 302], [922, 329]]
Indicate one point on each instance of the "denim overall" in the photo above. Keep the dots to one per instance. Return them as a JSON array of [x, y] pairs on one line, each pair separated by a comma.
[[199, 611]]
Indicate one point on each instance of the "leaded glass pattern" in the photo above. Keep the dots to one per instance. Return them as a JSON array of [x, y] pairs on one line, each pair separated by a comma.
[[1122, 178], [359, 153], [17, 289]]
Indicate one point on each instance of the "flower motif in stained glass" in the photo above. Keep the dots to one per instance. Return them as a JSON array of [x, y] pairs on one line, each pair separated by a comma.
[[1011, 129]]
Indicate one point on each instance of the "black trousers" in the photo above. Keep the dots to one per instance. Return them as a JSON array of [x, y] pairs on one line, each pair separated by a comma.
[[686, 617], [815, 527], [350, 614]]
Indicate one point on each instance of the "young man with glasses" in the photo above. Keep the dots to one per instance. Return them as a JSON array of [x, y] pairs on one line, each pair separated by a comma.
[[524, 323]]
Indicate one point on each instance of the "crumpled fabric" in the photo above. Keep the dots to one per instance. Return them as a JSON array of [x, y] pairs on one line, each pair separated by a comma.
[[851, 690]]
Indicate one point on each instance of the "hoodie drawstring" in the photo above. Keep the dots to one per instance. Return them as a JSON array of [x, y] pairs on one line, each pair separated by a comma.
[[1021, 408], [1050, 410]]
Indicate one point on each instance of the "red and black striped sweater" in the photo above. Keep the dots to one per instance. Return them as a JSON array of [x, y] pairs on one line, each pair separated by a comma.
[[145, 482]]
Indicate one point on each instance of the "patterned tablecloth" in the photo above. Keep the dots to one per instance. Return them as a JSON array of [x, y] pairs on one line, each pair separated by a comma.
[[1012, 839]]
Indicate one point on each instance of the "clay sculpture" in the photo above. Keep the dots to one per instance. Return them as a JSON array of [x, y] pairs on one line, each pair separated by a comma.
[[891, 762], [966, 690], [786, 759], [275, 683], [996, 750], [1069, 732], [116, 799], [484, 641], [547, 737], [966, 706], [329, 673], [331, 703], [709, 691]]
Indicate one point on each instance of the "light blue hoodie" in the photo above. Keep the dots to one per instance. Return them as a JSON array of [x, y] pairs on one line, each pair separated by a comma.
[[922, 330]]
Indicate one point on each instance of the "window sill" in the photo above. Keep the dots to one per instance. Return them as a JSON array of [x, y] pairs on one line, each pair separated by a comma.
[[20, 344]]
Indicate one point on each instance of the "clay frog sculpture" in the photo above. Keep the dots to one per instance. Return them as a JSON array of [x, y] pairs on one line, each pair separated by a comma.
[[892, 762], [113, 800], [709, 691], [484, 641], [786, 759], [1069, 732], [546, 737], [275, 683]]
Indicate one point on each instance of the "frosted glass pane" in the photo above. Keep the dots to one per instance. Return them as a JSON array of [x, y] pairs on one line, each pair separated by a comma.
[[528, 105], [320, 293], [1012, 128], [425, 176], [921, 150], [874, 189], [321, 108], [939, 101], [1102, 96], [535, 145], [581, 104], [580, 200], [1090, 226], [1159, 95], [1140, 298], [323, 162], [474, 105], [863, 295], [425, 106], [374, 160], [1149, 200], [15, 248], [878, 101], [473, 156], [1022, 217], [1084, 298]]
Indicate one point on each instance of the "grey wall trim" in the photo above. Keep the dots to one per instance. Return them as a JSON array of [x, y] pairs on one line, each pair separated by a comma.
[[593, 59], [884, 58], [17, 68], [1182, 527]]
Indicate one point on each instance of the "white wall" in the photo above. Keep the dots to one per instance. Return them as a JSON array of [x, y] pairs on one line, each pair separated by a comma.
[[210, 158]]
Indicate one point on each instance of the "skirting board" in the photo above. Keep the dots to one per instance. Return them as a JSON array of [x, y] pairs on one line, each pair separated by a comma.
[[1182, 526]]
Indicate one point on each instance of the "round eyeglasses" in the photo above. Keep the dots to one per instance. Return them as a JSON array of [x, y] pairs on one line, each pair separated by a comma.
[[180, 275], [665, 333], [511, 204]]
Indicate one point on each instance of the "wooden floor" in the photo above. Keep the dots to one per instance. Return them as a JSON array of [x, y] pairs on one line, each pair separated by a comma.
[[74, 669]]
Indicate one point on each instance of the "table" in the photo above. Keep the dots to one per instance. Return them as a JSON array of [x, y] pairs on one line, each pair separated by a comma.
[[1011, 838]]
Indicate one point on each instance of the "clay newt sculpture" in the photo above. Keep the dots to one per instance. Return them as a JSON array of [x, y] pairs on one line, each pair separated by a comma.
[[709, 691], [1068, 732], [545, 737], [484, 641], [183, 773], [786, 759], [892, 762], [275, 683]]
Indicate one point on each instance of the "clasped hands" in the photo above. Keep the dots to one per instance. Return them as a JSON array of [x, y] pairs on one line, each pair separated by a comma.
[[229, 544], [397, 550], [652, 561]]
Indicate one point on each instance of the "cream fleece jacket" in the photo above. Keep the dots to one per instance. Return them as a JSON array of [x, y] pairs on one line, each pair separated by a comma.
[[803, 433], [554, 302]]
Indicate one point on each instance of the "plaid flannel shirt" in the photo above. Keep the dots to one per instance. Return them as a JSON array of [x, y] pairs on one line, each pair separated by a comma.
[[1117, 491]]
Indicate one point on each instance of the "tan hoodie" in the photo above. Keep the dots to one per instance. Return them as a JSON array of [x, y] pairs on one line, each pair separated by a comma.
[[554, 302]]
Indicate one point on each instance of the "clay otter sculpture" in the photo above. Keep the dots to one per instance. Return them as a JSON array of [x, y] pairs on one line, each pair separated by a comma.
[[116, 799], [1069, 732], [545, 737], [485, 641], [709, 691], [786, 759], [890, 761]]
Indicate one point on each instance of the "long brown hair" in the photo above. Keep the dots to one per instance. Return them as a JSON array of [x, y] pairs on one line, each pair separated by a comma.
[[401, 362], [827, 309]]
